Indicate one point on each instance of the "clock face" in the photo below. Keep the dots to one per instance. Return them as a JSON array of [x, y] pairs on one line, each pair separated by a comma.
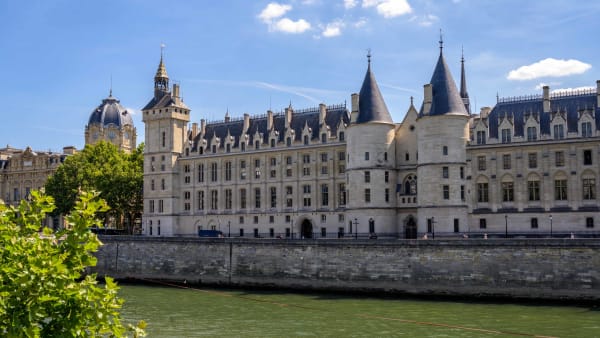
[[111, 135]]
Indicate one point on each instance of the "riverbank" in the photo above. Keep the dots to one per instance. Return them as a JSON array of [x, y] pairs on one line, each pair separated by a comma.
[[500, 268]]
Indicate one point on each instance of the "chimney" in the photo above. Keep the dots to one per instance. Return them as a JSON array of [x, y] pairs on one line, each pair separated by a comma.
[[354, 113], [203, 127], [484, 112], [598, 93], [322, 113], [69, 150], [175, 90], [246, 123], [288, 118], [546, 99], [194, 130], [428, 98], [269, 120]]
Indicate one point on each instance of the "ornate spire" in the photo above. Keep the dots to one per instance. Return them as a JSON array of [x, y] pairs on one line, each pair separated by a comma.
[[463, 84], [161, 79]]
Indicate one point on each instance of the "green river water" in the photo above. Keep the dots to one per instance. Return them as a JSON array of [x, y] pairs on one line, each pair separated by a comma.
[[203, 312]]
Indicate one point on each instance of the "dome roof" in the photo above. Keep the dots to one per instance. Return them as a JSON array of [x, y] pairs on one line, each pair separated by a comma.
[[111, 112]]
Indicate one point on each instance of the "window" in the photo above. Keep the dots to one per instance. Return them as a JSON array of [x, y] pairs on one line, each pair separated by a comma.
[[306, 201], [481, 163], [151, 206], [386, 176], [367, 195], [201, 200], [213, 172], [446, 192], [228, 199], [306, 189], [444, 172], [228, 149], [288, 172], [342, 136], [387, 195], [586, 129], [243, 198], [161, 206], [323, 157], [306, 158], [445, 150], [587, 157], [341, 169], [243, 164], [305, 140], [271, 220], [508, 192], [532, 160], [367, 156], [385, 156], [533, 188], [288, 160], [323, 232], [482, 192], [559, 158], [243, 146], [462, 192], [273, 173], [589, 222], [340, 218], [186, 168], [506, 136], [462, 173], [289, 190], [323, 138], [589, 189], [323, 218], [214, 149], [456, 225], [162, 184], [241, 232], [342, 194], [272, 143], [482, 223], [256, 144], [324, 170], [228, 171], [214, 200], [257, 163], [324, 195], [187, 179], [257, 173], [481, 137], [341, 156], [506, 161], [152, 185], [534, 223], [367, 177], [273, 161], [531, 134], [273, 197], [186, 195], [559, 132], [164, 139], [289, 202], [306, 171], [288, 141], [560, 190], [407, 157], [257, 198]]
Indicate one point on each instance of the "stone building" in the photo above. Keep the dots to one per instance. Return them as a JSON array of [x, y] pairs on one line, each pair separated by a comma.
[[527, 166], [111, 122]]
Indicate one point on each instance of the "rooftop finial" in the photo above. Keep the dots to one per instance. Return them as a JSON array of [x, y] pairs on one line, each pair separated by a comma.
[[411, 100], [462, 54], [162, 48], [369, 56], [110, 93], [441, 41]]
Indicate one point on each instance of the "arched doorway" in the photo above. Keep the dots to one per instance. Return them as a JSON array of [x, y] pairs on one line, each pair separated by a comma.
[[410, 229], [306, 229]]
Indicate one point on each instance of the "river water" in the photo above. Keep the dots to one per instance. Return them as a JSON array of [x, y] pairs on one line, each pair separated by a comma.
[[204, 312]]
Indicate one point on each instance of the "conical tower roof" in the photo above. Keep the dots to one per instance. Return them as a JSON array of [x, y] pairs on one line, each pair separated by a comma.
[[371, 107], [446, 98], [161, 72]]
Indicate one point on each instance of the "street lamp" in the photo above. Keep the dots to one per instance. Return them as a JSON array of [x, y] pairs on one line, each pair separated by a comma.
[[505, 226], [356, 228], [228, 228], [550, 225]]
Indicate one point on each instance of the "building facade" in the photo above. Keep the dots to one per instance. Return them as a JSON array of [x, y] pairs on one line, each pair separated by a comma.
[[527, 166]]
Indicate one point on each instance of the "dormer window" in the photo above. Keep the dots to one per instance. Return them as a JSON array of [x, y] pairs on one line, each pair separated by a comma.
[[342, 136], [243, 146], [559, 132], [214, 148], [586, 129], [506, 136], [481, 137], [288, 141], [305, 140], [272, 143], [257, 144], [531, 134], [323, 138], [201, 150], [228, 147]]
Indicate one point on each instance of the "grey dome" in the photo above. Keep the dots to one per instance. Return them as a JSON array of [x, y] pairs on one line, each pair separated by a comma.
[[110, 112]]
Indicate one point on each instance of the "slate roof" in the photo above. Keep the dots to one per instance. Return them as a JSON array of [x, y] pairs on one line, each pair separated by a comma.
[[371, 107], [110, 112], [309, 117], [446, 99], [518, 109]]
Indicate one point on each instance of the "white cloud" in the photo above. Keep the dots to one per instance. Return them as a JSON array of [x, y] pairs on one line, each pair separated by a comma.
[[370, 3], [273, 11], [333, 29], [428, 20], [360, 23], [349, 4], [289, 26], [389, 8], [549, 68]]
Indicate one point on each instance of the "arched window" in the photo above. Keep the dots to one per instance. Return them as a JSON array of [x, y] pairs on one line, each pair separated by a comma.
[[410, 185]]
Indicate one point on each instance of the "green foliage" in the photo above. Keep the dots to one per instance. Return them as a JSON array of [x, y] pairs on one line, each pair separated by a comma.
[[43, 291], [101, 167]]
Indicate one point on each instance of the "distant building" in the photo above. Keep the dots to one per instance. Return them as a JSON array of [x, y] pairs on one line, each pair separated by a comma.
[[529, 165], [111, 122]]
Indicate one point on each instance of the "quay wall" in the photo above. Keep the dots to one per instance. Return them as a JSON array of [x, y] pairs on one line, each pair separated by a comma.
[[520, 268]]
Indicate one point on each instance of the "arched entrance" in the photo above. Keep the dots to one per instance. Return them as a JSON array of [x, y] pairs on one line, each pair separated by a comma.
[[306, 230], [410, 229]]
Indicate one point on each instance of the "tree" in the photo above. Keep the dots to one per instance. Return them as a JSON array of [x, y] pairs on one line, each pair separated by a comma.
[[43, 292], [101, 167]]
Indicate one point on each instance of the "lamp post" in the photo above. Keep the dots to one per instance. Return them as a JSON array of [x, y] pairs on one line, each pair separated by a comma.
[[228, 228], [550, 225], [356, 228], [505, 226]]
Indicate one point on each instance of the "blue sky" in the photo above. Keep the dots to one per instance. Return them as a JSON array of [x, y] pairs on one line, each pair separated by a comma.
[[248, 56]]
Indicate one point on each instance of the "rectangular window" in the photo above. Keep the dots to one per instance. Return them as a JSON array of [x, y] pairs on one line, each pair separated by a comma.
[[241, 219], [445, 172], [560, 190], [243, 198], [386, 177], [306, 201], [462, 192], [532, 160], [324, 195], [559, 132], [387, 195], [289, 203], [506, 161], [586, 129], [289, 190], [462, 173], [533, 188], [589, 188], [324, 170], [288, 172], [306, 189], [342, 194], [456, 225], [306, 171], [214, 200], [589, 222], [213, 172], [228, 199], [323, 157], [243, 164], [323, 218], [341, 169], [228, 171], [288, 160], [508, 192], [367, 195], [323, 232], [506, 136], [366, 156], [481, 137], [481, 163], [201, 200], [273, 173], [273, 161], [341, 156], [151, 206], [534, 223], [271, 219], [531, 134], [306, 158], [367, 177], [482, 223], [161, 206], [587, 157], [257, 198], [446, 192], [273, 197], [559, 158], [257, 163], [482, 192]]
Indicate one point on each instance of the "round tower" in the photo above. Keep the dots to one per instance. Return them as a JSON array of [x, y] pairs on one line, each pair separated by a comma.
[[443, 134], [371, 159]]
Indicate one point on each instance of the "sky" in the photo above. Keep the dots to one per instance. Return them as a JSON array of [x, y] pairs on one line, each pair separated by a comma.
[[60, 58]]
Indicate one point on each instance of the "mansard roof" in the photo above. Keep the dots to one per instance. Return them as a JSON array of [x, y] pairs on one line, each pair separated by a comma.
[[371, 107], [518, 109], [307, 117], [446, 99]]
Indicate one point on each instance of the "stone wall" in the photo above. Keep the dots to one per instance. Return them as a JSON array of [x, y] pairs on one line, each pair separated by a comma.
[[552, 269]]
